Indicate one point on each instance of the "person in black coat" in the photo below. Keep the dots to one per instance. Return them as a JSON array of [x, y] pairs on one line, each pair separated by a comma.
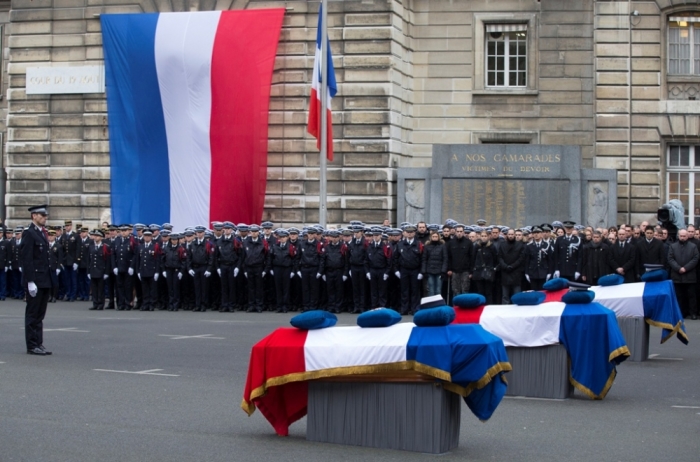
[[335, 255], [148, 263], [565, 258], [459, 259], [623, 256], [99, 269], [537, 255], [200, 266], [311, 269], [55, 264], [359, 267], [379, 259], [683, 257], [596, 260], [4, 263], [483, 266], [83, 252], [227, 260], [434, 263], [255, 255], [408, 260], [34, 260], [649, 251], [174, 266], [282, 265], [511, 260]]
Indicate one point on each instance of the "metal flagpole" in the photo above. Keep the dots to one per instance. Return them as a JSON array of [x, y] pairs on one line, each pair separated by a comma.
[[324, 109]]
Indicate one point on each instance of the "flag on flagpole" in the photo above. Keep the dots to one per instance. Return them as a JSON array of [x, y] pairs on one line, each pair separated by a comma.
[[314, 124]]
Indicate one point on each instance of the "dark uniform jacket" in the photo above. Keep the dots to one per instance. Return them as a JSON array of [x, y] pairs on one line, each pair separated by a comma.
[[148, 259], [336, 257], [99, 260], [434, 259], [228, 252], [174, 258], [596, 261], [380, 257], [55, 257], [358, 255], [201, 254], [69, 242], [34, 258], [311, 255], [683, 255], [537, 259], [14, 254], [254, 254], [511, 259], [625, 258], [83, 252], [565, 257], [459, 254], [408, 256], [4, 253], [123, 253], [283, 257]]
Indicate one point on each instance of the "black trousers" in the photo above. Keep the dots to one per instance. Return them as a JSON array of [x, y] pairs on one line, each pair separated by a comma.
[[138, 289], [241, 292], [485, 288], [215, 290], [34, 318], [149, 288], [201, 289], [410, 290], [111, 289], [269, 288], [173, 288], [358, 289], [228, 288], [309, 289], [685, 293], [255, 289], [334, 289], [377, 288], [97, 286], [536, 284], [124, 290], [283, 283]]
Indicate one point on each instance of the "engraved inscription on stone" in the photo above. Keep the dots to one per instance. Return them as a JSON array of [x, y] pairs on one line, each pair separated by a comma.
[[505, 202], [415, 200], [597, 213]]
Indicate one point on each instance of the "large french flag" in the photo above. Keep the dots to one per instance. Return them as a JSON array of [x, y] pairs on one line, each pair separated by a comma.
[[314, 123], [187, 99]]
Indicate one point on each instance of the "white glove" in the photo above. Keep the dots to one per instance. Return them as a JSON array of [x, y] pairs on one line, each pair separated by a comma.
[[155, 277], [397, 274], [31, 287], [235, 272], [6, 269], [577, 275], [386, 276], [556, 274], [89, 277], [191, 272], [20, 269], [350, 274], [419, 277], [218, 271], [139, 276], [299, 273], [549, 276], [345, 278], [179, 276], [272, 272], [207, 274], [369, 276], [165, 274], [58, 271], [318, 275], [324, 277], [115, 271], [291, 275], [246, 275], [263, 274], [75, 267], [105, 276], [527, 276], [131, 271]]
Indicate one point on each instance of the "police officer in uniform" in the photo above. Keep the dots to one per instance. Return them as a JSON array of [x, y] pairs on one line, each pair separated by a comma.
[[123, 254], [69, 241], [295, 283], [537, 260], [148, 264], [565, 258], [407, 263], [34, 261], [82, 260], [200, 265], [269, 280], [55, 268], [379, 258], [227, 260], [255, 252], [174, 266], [282, 265], [336, 270], [99, 269], [359, 267], [311, 270]]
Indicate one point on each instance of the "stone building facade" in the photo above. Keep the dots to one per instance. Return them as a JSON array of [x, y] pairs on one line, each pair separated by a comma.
[[411, 73]]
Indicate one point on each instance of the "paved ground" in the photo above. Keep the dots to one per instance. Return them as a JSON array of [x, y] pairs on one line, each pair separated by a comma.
[[63, 408]]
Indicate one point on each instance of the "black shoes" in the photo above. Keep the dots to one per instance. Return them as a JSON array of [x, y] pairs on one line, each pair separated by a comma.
[[46, 352], [36, 351], [694, 317]]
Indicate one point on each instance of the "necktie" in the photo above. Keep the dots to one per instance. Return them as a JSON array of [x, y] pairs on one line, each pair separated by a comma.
[[622, 245], [46, 235]]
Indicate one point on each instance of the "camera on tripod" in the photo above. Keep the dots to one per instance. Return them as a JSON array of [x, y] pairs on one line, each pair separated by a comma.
[[672, 217]]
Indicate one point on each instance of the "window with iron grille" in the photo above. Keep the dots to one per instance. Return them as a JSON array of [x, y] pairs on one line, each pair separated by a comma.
[[506, 55]]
